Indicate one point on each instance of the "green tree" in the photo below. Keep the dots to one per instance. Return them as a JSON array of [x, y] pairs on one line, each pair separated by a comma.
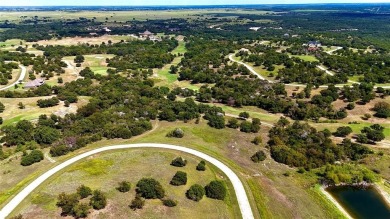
[[195, 193], [81, 210], [34, 157], [180, 178], [84, 191], [179, 162], [124, 186], [201, 166], [67, 202], [258, 156], [216, 190], [46, 135], [98, 200], [150, 188], [169, 202], [137, 203]]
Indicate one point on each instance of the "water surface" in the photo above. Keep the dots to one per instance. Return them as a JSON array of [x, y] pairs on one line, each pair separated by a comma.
[[361, 203]]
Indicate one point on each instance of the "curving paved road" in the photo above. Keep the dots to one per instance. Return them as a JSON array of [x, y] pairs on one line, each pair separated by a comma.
[[249, 68], [21, 78], [242, 198]]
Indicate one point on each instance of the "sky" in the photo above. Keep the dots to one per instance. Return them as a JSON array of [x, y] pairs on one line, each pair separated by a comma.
[[169, 2]]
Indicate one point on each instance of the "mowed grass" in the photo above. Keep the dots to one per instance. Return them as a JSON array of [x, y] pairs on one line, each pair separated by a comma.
[[306, 58], [104, 171]]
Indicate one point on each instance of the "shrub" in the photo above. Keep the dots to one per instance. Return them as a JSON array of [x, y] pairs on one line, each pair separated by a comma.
[[81, 210], [34, 157], [67, 202], [84, 191], [177, 133], [180, 178], [232, 123], [216, 190], [350, 106], [98, 200], [137, 203], [258, 140], [195, 193], [382, 109], [244, 115], [343, 131], [150, 188], [169, 202], [124, 186], [201, 166], [258, 156], [179, 162]]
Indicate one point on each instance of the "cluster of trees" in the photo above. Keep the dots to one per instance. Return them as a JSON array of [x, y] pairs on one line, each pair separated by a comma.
[[6, 71], [301, 145], [34, 156], [371, 134], [71, 205], [44, 103], [374, 67], [382, 109], [215, 190], [176, 133]]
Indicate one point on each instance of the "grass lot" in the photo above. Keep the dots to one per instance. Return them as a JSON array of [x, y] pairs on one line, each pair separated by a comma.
[[96, 62], [105, 170], [13, 114], [67, 41], [307, 58]]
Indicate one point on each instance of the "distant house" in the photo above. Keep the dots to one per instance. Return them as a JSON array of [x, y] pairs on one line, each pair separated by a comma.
[[106, 29], [313, 44], [286, 35], [35, 83], [146, 34]]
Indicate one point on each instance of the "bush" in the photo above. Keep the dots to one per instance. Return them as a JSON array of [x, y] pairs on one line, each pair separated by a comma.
[[177, 133], [98, 200], [34, 157], [84, 191], [150, 188], [232, 123], [195, 193], [350, 106], [382, 109], [179, 162], [201, 166], [258, 140], [67, 202], [180, 178], [137, 203], [258, 156], [124, 186], [244, 115], [343, 131], [169, 202], [216, 190], [81, 210]]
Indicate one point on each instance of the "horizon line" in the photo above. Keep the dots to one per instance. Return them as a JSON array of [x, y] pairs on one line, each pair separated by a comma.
[[189, 5]]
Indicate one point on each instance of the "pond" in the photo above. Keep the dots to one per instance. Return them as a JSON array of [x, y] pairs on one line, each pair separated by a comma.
[[360, 202]]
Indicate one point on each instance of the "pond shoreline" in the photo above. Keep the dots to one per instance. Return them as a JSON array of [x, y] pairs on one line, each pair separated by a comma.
[[384, 195], [335, 202]]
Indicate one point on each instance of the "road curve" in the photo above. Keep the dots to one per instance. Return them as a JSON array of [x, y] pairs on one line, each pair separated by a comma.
[[242, 198], [249, 68], [21, 78]]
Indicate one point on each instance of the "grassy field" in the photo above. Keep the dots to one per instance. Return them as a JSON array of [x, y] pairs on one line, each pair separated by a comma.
[[96, 62], [104, 171], [307, 58], [111, 16], [13, 114]]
